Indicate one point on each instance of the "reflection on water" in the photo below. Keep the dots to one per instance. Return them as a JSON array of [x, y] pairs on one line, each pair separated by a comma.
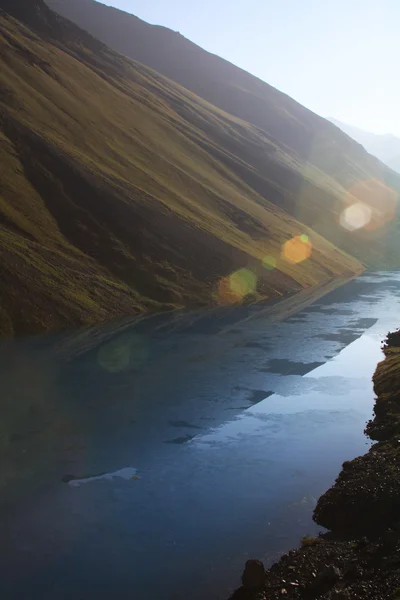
[[342, 383], [234, 430]]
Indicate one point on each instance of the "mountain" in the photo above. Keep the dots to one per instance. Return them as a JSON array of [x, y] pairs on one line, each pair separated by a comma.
[[209, 76], [386, 147], [301, 162], [122, 192]]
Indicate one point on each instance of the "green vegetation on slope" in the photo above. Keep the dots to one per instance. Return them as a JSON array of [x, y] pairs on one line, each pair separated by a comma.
[[111, 200], [294, 158], [122, 192]]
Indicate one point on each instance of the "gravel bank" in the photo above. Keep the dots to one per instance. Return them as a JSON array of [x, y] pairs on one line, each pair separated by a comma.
[[360, 556]]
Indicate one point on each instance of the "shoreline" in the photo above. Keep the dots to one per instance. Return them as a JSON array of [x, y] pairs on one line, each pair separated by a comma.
[[82, 340], [359, 555]]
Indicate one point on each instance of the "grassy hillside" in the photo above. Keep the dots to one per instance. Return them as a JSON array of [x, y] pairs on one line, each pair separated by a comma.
[[298, 160], [122, 192], [111, 200]]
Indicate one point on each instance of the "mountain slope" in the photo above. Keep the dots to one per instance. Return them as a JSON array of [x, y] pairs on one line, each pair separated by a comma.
[[299, 161], [386, 147], [120, 192]]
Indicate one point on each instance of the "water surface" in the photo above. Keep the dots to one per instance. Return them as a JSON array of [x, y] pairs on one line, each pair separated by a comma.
[[153, 462]]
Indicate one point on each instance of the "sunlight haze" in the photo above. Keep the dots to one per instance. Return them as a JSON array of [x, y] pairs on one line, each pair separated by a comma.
[[338, 59], [198, 277]]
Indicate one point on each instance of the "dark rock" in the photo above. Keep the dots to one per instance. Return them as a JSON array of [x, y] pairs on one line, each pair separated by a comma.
[[331, 573], [324, 581], [353, 572], [253, 577], [392, 339], [365, 496]]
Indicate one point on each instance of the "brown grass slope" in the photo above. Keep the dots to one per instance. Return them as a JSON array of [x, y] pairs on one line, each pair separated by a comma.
[[296, 159], [121, 192]]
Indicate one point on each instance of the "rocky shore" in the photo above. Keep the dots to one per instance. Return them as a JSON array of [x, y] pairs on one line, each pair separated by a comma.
[[360, 555]]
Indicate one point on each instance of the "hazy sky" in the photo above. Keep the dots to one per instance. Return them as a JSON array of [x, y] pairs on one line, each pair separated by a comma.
[[338, 57]]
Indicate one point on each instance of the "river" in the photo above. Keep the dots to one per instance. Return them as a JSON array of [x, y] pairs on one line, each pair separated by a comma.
[[150, 459]]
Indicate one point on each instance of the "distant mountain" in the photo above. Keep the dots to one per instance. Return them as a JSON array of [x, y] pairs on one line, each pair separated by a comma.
[[123, 192], [386, 147]]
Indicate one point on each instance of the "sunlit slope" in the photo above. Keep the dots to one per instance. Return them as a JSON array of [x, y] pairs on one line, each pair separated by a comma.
[[121, 192], [295, 159]]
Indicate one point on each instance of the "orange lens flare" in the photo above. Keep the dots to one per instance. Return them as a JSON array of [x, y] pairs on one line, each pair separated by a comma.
[[297, 249]]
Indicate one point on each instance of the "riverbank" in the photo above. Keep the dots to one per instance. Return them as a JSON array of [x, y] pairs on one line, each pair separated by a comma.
[[359, 556], [229, 318]]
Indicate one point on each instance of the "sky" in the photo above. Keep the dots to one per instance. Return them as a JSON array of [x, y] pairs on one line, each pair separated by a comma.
[[340, 58]]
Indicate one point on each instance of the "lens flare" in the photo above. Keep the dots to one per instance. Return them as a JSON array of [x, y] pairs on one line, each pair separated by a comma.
[[243, 282], [126, 352], [297, 249], [236, 286], [370, 204], [269, 262], [356, 216]]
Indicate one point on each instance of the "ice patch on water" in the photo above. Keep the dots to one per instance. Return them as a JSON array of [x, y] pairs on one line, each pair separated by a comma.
[[125, 473]]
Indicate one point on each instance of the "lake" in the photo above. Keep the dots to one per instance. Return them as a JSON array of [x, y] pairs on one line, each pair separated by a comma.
[[151, 458]]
